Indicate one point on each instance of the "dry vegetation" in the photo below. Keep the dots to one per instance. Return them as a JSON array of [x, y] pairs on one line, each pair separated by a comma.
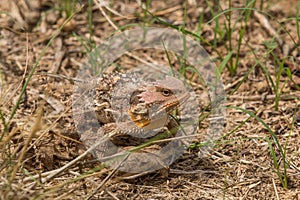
[[40, 55]]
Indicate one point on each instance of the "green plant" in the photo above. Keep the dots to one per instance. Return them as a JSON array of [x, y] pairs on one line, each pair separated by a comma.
[[279, 68], [88, 43], [68, 6], [220, 32]]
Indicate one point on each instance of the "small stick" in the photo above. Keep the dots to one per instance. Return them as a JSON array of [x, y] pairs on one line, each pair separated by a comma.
[[265, 23], [285, 97]]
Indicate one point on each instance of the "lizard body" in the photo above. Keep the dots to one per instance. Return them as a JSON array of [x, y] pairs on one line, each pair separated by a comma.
[[147, 115]]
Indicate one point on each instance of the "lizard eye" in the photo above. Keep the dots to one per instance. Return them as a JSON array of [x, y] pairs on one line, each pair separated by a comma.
[[166, 93]]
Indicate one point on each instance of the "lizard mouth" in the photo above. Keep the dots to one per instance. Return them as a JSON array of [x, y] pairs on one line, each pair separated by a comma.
[[172, 105], [155, 115]]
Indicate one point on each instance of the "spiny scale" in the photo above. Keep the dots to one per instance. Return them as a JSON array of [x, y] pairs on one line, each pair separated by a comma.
[[150, 105]]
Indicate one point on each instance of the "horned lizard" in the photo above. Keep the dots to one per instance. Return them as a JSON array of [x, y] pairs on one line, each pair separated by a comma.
[[130, 112]]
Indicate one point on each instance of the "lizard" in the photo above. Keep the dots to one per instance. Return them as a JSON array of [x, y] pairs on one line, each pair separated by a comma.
[[149, 111]]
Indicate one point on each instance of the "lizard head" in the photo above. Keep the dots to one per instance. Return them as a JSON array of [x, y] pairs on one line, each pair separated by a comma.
[[158, 99]]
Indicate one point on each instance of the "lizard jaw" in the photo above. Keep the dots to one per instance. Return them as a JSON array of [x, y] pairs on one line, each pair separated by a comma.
[[154, 106]]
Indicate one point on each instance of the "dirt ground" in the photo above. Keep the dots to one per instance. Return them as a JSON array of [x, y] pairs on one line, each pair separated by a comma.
[[41, 136]]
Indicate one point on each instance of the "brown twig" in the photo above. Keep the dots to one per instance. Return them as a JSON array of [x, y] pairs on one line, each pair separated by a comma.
[[284, 97], [266, 24]]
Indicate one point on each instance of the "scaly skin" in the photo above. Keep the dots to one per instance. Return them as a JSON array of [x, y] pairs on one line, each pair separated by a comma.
[[150, 107], [162, 97]]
